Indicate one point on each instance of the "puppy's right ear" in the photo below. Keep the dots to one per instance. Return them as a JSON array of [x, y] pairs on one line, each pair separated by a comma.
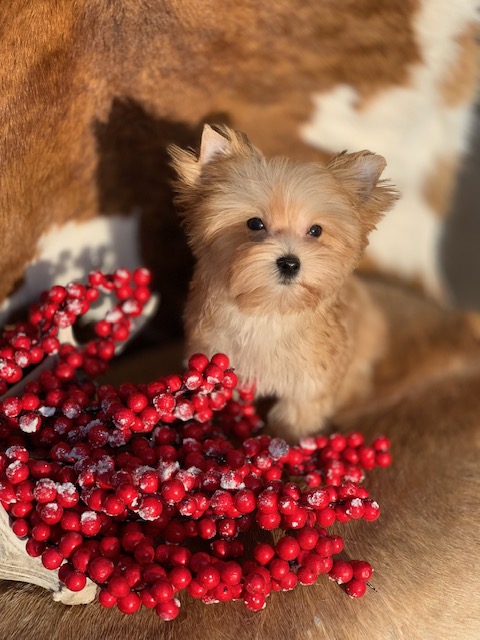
[[213, 145], [217, 142]]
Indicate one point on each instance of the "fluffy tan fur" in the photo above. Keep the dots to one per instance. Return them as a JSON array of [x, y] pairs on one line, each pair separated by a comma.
[[309, 340]]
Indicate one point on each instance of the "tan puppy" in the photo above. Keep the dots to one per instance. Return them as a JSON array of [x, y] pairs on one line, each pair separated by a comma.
[[276, 243]]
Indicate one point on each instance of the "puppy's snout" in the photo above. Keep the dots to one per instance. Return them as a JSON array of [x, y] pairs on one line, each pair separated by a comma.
[[288, 266]]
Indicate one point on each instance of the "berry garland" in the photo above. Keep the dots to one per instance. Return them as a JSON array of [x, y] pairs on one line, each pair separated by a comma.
[[148, 489]]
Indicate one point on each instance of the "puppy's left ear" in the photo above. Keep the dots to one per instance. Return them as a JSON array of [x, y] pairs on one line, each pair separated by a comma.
[[359, 174]]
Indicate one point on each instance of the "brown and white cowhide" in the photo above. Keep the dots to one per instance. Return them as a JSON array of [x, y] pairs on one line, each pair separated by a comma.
[[92, 93]]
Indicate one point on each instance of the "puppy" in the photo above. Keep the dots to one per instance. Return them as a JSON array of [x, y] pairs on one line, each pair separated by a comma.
[[275, 244]]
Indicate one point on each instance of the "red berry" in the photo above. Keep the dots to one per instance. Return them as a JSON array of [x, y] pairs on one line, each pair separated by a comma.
[[341, 572], [306, 576], [307, 538], [372, 510], [129, 603], [150, 508], [287, 548], [118, 586], [221, 361], [198, 361], [90, 523], [161, 591], [168, 610], [173, 491], [213, 374], [231, 573], [75, 581], [180, 577], [106, 599], [268, 521], [100, 569], [254, 583], [20, 527], [263, 553], [52, 558], [361, 570], [355, 588], [137, 402], [208, 576], [383, 458]]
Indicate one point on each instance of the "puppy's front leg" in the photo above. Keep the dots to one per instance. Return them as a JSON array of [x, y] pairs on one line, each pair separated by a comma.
[[291, 418]]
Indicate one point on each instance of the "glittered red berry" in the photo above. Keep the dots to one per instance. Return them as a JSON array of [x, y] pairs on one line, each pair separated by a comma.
[[341, 572], [361, 570], [354, 508], [51, 512], [371, 510], [254, 602], [306, 576], [90, 523], [355, 588], [150, 508], [17, 472], [168, 610], [267, 501]]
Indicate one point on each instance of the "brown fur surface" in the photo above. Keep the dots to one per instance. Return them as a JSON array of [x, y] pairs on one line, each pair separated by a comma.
[[310, 339], [424, 548]]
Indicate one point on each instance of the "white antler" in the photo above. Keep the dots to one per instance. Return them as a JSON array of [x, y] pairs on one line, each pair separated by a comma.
[[16, 564]]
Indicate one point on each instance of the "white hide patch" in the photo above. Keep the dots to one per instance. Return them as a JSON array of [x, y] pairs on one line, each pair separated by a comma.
[[69, 252], [413, 128]]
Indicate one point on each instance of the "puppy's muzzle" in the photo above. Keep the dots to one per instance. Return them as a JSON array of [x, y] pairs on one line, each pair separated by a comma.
[[288, 266]]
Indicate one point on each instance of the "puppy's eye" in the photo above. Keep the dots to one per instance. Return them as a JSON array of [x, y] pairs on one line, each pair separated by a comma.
[[255, 224], [315, 231]]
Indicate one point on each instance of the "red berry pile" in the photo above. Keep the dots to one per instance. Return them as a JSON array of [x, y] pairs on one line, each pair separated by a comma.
[[149, 489]]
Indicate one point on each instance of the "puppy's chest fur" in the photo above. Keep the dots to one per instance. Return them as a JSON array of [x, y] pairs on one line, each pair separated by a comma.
[[293, 354]]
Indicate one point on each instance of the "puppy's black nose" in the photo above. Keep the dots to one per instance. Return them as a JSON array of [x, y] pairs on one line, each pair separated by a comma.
[[288, 266]]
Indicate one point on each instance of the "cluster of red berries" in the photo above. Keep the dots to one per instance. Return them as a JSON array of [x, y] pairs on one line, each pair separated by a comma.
[[149, 489]]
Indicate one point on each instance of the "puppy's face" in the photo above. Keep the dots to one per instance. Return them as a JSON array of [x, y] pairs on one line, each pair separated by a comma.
[[282, 235]]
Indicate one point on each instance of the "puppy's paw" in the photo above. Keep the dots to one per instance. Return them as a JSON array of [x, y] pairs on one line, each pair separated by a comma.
[[290, 419]]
